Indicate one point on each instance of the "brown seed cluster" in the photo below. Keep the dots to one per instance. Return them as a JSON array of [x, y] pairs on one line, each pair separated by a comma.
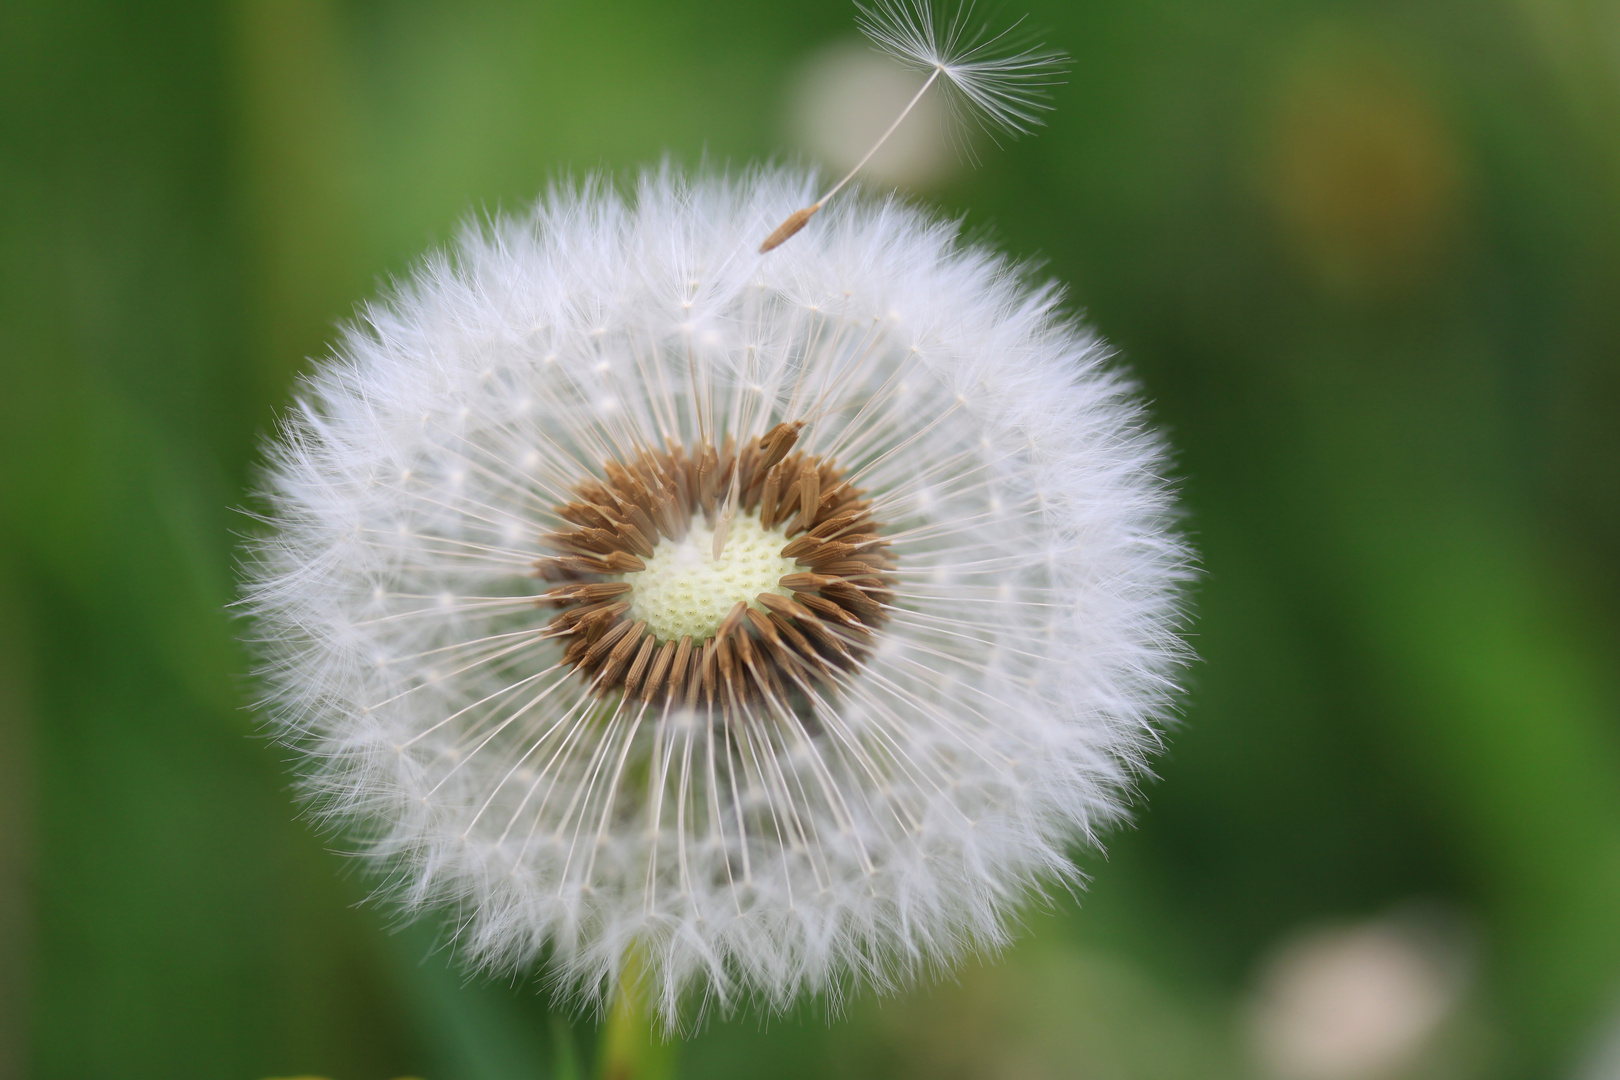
[[775, 649]]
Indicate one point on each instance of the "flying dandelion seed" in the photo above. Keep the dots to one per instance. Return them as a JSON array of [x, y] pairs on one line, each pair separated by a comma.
[[777, 620], [988, 77]]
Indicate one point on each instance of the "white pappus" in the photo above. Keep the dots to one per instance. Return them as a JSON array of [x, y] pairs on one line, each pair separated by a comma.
[[778, 620]]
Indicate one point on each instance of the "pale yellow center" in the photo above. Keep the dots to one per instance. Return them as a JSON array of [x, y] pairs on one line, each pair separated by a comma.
[[685, 591]]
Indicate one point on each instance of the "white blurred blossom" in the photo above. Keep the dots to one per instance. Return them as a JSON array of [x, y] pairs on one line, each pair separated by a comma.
[[1357, 1002]]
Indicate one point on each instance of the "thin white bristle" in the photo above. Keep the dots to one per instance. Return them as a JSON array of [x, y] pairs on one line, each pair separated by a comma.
[[1002, 82]]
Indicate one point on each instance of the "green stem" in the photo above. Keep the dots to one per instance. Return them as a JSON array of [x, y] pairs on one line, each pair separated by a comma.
[[630, 1048]]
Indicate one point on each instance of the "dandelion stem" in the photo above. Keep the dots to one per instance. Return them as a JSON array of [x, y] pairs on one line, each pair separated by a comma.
[[630, 1048]]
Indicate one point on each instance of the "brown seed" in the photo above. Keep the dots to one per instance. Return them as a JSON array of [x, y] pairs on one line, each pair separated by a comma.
[[861, 540], [753, 681], [638, 668], [709, 670], [828, 610], [586, 514], [590, 594], [685, 488], [660, 668], [819, 630], [609, 639], [590, 541], [828, 555], [733, 619], [849, 569], [644, 523], [634, 539], [775, 443], [788, 500], [565, 567], [800, 546], [683, 662], [792, 224], [831, 526], [762, 625], [803, 580], [768, 496], [552, 568], [708, 464], [702, 678], [618, 658], [619, 477], [593, 491], [809, 499], [783, 605], [725, 661], [576, 619], [798, 645], [671, 522]]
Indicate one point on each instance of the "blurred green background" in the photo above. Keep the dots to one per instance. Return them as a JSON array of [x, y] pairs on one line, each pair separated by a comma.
[[1365, 257]]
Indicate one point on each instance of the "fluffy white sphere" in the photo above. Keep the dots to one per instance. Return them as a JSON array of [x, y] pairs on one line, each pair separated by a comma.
[[840, 796]]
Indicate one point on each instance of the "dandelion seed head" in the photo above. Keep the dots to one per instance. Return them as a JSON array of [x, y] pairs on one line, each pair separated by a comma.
[[797, 669]]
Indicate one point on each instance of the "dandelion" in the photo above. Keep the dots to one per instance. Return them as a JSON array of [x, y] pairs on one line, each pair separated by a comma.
[[768, 624]]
